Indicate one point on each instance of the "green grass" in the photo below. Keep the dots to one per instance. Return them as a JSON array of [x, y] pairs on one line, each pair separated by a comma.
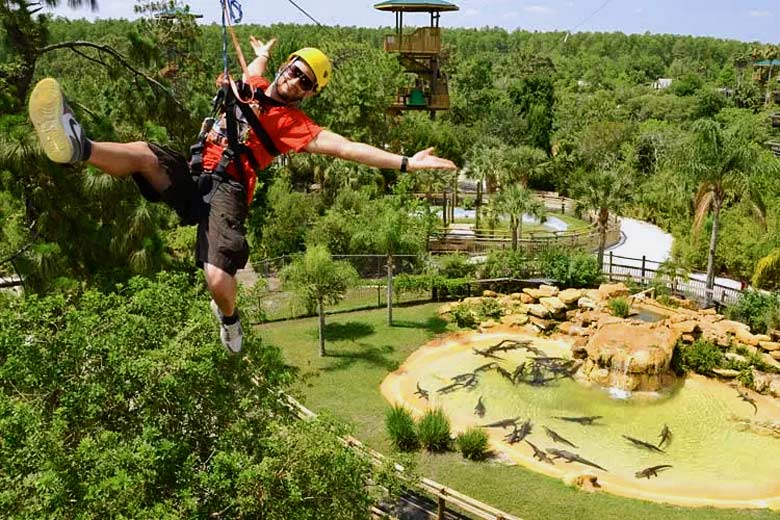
[[363, 349]]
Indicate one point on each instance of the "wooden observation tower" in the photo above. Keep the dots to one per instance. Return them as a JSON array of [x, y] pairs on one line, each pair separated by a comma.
[[419, 53]]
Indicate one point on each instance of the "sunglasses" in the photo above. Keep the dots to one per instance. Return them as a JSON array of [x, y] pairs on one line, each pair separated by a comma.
[[304, 81]]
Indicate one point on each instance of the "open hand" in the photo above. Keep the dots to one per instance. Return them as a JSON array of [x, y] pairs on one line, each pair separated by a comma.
[[425, 160], [260, 48]]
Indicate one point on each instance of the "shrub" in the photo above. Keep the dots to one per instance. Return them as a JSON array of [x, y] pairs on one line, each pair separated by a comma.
[[456, 265], [701, 357], [505, 263], [667, 301], [463, 315], [571, 268], [490, 308], [400, 428], [619, 307], [433, 430], [753, 308], [473, 444]]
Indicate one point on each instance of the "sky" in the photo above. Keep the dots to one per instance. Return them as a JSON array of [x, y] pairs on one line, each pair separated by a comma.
[[745, 20]]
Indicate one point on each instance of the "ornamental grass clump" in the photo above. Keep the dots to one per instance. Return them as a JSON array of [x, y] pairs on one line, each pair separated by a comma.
[[400, 428], [433, 430], [619, 307], [473, 444]]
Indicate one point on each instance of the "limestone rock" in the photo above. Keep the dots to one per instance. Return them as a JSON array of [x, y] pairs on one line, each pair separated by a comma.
[[585, 482], [570, 296], [686, 327], [688, 338], [541, 324], [534, 293], [538, 310], [613, 290], [769, 346], [770, 360], [766, 383], [554, 305], [526, 298], [548, 290], [727, 373], [775, 354], [489, 294], [594, 295], [516, 296], [744, 336], [762, 337], [732, 356], [515, 320], [488, 324], [587, 303]]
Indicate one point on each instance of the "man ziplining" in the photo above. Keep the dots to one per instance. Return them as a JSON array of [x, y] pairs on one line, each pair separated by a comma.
[[213, 190]]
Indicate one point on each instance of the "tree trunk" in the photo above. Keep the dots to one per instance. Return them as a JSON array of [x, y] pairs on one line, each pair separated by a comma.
[[321, 314], [478, 204], [444, 208], [513, 223], [603, 220], [389, 290], [716, 203]]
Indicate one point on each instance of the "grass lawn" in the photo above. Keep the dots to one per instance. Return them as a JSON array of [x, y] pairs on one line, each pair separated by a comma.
[[362, 349]]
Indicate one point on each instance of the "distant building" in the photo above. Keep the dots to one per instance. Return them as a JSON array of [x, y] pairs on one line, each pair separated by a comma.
[[662, 83]]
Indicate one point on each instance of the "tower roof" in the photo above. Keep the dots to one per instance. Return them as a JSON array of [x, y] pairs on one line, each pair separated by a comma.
[[416, 6]]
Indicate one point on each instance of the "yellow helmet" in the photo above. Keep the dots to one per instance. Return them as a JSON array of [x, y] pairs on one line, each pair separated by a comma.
[[317, 62]]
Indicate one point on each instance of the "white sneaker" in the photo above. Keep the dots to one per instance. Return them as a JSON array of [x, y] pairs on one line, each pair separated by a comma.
[[231, 335], [60, 135]]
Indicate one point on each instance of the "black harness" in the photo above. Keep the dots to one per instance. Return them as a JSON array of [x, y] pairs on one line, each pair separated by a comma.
[[225, 102]]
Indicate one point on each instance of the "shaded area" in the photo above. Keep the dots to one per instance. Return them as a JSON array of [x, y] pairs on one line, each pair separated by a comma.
[[415, 506], [433, 324], [377, 356], [349, 331]]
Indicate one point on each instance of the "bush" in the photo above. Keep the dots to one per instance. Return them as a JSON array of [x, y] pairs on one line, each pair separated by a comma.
[[754, 308], [506, 263], [456, 265], [571, 268], [400, 428], [433, 430], [701, 357], [463, 315], [667, 301], [490, 308], [473, 444], [619, 307]]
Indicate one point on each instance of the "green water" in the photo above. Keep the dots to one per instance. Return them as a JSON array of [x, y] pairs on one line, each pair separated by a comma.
[[709, 454]]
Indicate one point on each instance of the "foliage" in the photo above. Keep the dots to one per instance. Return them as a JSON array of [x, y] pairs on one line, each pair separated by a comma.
[[124, 404], [401, 429], [506, 263], [619, 307], [701, 357], [571, 268], [473, 444], [289, 215], [464, 315], [455, 265], [753, 308], [433, 430], [490, 308]]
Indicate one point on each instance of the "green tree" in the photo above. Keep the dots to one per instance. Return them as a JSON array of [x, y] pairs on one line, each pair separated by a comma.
[[605, 191], [723, 164], [319, 280], [515, 200]]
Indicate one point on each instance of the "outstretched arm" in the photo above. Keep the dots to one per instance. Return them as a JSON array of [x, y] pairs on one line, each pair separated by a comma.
[[262, 53], [330, 143]]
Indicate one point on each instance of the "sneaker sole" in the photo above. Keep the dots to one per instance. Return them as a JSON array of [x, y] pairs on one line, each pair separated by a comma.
[[46, 108]]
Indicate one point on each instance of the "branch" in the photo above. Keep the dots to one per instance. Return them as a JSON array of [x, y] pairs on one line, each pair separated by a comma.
[[73, 45]]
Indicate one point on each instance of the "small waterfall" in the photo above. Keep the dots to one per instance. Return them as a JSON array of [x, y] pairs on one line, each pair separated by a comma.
[[620, 389]]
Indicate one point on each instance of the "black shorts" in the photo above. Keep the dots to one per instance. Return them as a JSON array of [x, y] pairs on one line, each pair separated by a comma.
[[219, 214]]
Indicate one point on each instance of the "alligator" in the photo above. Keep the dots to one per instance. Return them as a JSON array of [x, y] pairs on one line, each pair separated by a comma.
[[748, 399], [587, 421], [651, 472], [485, 367], [518, 372], [485, 353], [505, 373], [540, 454], [518, 434], [421, 392], [533, 350], [503, 423], [480, 408], [571, 457], [450, 388], [666, 436], [462, 377], [642, 444], [508, 344], [557, 438]]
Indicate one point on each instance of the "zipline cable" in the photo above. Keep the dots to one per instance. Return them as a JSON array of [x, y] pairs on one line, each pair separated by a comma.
[[301, 9]]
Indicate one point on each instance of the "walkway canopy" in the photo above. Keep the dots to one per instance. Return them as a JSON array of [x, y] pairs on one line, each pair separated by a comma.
[[418, 6]]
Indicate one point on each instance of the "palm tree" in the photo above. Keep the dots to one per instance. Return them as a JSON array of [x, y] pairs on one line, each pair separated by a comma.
[[766, 271], [722, 163], [516, 200], [488, 161], [605, 191], [523, 163], [318, 279]]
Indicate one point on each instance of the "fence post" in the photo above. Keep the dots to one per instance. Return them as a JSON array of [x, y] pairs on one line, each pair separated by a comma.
[[644, 259], [610, 266], [378, 295], [441, 509], [563, 207]]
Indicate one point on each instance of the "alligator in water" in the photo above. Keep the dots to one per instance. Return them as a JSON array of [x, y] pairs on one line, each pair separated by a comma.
[[519, 433], [642, 444], [450, 388], [480, 408], [587, 421], [505, 373], [666, 436], [508, 344], [557, 438], [486, 366], [540, 455], [503, 423], [485, 353], [572, 457], [421, 392], [651, 472], [748, 399]]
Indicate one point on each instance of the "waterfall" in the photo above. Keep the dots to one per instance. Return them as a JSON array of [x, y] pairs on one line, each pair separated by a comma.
[[620, 389]]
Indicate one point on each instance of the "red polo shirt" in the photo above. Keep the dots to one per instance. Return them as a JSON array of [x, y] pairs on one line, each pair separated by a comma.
[[289, 128]]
